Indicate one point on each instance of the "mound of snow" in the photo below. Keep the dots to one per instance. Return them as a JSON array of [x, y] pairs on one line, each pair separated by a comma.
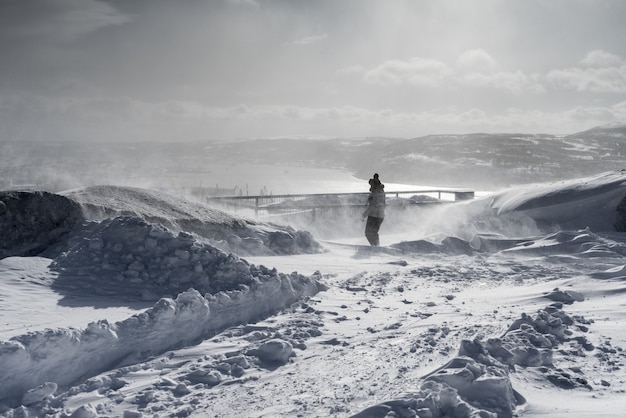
[[273, 352], [594, 202], [32, 221], [514, 217], [99, 202], [476, 383], [128, 258], [146, 261], [232, 234], [448, 245], [59, 357]]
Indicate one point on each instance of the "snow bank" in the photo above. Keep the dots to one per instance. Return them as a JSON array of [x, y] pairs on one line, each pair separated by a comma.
[[594, 202], [199, 290], [131, 258], [476, 383], [582, 243], [58, 357], [232, 234], [560, 217], [37, 223], [32, 221]]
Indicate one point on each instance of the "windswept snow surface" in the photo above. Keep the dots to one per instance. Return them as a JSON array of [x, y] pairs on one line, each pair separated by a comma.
[[509, 305], [229, 233]]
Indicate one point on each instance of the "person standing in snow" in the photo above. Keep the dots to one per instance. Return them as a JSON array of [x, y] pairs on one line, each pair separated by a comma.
[[375, 212]]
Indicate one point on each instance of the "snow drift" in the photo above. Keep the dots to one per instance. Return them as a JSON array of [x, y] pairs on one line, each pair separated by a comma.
[[476, 383], [231, 234], [149, 261], [520, 217], [595, 202], [33, 221], [198, 288], [59, 357], [38, 222]]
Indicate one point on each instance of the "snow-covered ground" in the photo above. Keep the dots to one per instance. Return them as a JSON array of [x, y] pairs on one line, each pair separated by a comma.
[[508, 305]]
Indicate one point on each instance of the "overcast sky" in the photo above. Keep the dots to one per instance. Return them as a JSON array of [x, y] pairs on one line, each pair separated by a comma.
[[166, 70]]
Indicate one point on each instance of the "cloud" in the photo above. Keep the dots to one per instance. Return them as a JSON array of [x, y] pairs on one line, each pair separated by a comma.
[[603, 73], [124, 119], [515, 82], [253, 3], [598, 113], [359, 121], [599, 58], [476, 60], [476, 68], [353, 70], [309, 40], [620, 108], [417, 71], [56, 20], [596, 80]]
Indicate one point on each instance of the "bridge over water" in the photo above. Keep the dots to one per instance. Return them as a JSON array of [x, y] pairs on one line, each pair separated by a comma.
[[289, 205]]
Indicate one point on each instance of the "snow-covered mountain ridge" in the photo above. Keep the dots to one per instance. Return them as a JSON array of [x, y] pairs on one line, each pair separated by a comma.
[[479, 160]]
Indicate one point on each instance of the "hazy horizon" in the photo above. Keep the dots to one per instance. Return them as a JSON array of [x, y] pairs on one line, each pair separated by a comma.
[[109, 70]]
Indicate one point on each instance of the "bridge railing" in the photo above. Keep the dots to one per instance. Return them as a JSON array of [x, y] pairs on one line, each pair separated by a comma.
[[290, 204]]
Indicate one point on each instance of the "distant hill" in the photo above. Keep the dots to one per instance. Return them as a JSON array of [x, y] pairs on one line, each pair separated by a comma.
[[477, 160], [472, 160], [505, 159]]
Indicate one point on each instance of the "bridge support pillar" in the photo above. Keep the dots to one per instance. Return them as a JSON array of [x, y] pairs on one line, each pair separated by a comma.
[[463, 196]]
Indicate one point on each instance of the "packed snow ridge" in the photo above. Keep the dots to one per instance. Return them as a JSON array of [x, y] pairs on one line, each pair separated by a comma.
[[36, 220], [150, 261], [38, 361]]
